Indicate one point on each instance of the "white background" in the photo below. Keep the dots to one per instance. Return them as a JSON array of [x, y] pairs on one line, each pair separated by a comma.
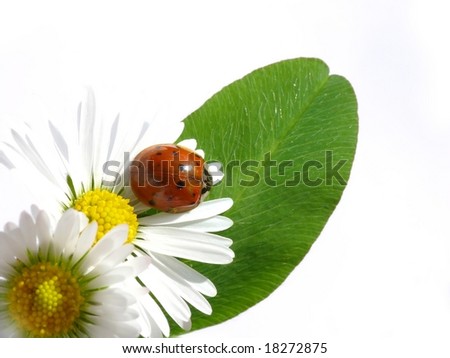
[[377, 281]]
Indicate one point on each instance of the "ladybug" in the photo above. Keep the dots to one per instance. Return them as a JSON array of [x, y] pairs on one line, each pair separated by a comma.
[[169, 178]]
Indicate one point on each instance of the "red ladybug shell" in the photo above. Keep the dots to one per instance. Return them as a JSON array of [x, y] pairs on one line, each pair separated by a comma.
[[169, 178]]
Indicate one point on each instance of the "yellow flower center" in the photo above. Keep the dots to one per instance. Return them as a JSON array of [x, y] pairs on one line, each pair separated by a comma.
[[45, 300], [108, 210]]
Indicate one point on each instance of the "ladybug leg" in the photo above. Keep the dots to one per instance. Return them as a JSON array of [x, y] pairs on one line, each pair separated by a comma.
[[207, 182]]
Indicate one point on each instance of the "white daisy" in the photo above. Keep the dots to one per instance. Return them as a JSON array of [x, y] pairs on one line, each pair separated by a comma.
[[54, 283], [85, 171]]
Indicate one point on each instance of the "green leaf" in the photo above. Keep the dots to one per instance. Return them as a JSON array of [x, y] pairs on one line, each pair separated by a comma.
[[286, 135]]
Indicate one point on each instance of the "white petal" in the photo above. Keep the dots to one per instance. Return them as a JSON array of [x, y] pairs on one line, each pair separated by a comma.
[[117, 329], [100, 330], [60, 142], [214, 224], [115, 297], [73, 237], [171, 291], [67, 229], [113, 259], [149, 327], [205, 210], [175, 306], [29, 152], [114, 276], [10, 227], [189, 144], [5, 160], [35, 211], [85, 241], [5, 268], [154, 135], [138, 264], [8, 251], [182, 288], [86, 126], [191, 245], [154, 322], [144, 129], [112, 240], [28, 230], [186, 325], [8, 330], [84, 221], [105, 310], [112, 137], [12, 246], [200, 152], [201, 283], [127, 141]]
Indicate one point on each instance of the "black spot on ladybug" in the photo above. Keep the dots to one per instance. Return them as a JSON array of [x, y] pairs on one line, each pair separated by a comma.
[[151, 202], [159, 153], [180, 184]]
